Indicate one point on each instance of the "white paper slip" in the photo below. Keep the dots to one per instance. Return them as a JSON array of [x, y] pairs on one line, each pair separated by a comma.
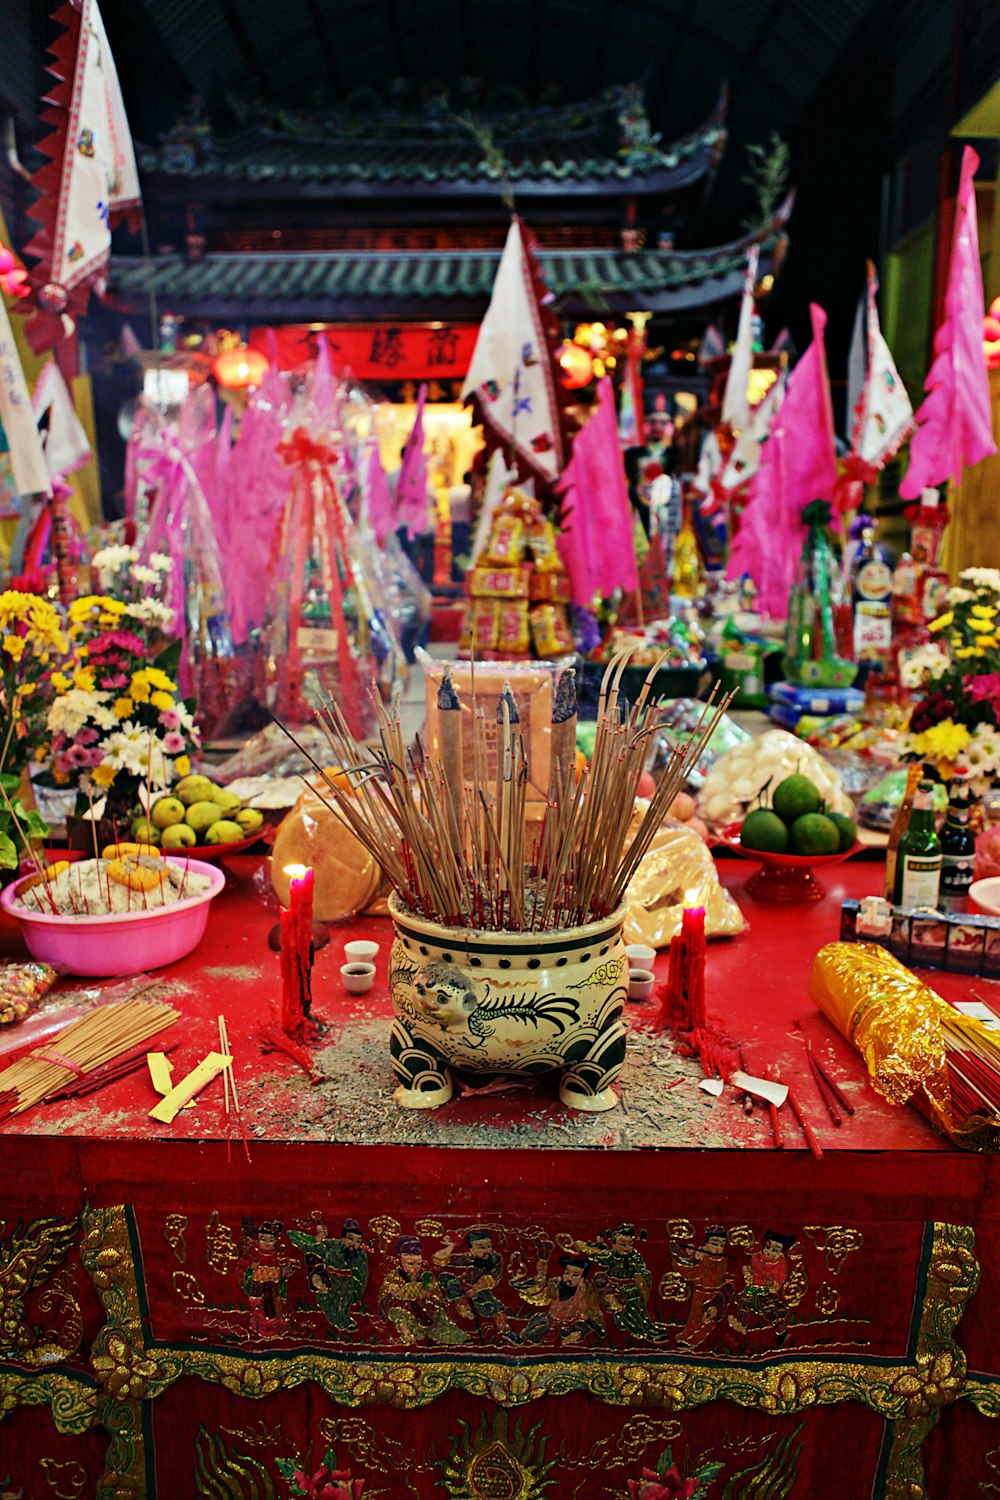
[[713, 1086], [761, 1088], [977, 1011]]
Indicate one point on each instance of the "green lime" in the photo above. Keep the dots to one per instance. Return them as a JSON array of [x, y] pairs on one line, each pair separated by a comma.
[[794, 797], [846, 829], [763, 830], [814, 833]]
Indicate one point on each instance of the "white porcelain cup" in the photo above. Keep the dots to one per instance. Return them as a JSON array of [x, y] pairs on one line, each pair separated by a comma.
[[640, 984], [640, 956], [364, 951], [357, 978]]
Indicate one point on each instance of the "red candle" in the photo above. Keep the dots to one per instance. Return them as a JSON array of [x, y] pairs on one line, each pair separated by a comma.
[[685, 996], [296, 953]]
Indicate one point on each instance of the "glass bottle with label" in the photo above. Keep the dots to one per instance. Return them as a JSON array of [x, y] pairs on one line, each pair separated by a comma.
[[958, 847], [918, 857], [871, 591]]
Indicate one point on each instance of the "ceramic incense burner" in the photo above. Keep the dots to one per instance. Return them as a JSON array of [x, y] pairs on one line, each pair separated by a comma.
[[507, 1002]]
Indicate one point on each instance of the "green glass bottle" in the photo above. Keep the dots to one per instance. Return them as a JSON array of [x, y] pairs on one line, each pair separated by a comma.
[[918, 858]]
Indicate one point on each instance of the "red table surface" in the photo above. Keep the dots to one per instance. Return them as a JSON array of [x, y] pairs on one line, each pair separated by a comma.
[[756, 984]]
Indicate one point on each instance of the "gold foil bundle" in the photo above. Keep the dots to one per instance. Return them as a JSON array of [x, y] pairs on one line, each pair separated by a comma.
[[909, 1037]]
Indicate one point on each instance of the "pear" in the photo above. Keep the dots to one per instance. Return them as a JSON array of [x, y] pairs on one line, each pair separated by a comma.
[[249, 819], [144, 831], [201, 815], [167, 810], [224, 798], [224, 832], [178, 836], [194, 789]]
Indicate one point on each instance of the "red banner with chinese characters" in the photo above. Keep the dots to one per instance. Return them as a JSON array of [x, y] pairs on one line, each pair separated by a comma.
[[376, 351]]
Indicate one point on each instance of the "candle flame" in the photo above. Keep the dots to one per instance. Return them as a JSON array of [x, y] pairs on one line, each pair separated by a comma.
[[296, 872]]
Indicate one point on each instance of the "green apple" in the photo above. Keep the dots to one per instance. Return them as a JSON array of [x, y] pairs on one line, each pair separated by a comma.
[[201, 815], [145, 832], [167, 810], [249, 819], [194, 789], [224, 798], [224, 832], [178, 836]]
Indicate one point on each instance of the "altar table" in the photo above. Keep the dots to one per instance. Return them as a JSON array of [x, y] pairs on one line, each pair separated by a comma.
[[504, 1299]]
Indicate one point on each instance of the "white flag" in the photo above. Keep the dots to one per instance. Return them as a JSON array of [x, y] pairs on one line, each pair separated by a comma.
[[27, 461], [64, 441], [744, 459], [735, 408], [883, 416], [98, 175], [511, 373]]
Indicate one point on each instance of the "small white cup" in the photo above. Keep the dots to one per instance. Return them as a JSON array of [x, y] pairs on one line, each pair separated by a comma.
[[364, 951], [357, 978], [640, 956], [640, 984]]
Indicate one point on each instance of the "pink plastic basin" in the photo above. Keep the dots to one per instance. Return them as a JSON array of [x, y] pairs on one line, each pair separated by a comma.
[[124, 943]]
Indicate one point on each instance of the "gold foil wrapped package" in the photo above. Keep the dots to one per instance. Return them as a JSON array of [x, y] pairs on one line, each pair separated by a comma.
[[886, 1012], [910, 1038], [677, 871]]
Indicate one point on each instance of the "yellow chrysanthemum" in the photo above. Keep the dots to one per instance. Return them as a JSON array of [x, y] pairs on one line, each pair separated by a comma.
[[83, 678], [161, 700], [945, 741], [122, 708], [139, 687], [14, 646], [158, 679], [964, 652], [942, 622], [61, 682], [103, 775], [182, 765]]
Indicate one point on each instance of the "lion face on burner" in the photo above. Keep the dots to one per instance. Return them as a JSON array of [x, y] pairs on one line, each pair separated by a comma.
[[444, 995]]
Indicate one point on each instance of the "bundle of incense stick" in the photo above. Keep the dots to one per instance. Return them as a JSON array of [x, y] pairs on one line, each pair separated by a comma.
[[95, 1040], [463, 853]]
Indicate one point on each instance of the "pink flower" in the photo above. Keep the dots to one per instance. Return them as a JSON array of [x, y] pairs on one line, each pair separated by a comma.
[[668, 1486], [86, 736], [115, 681], [170, 718], [76, 757], [325, 1485], [985, 686], [122, 640], [173, 743]]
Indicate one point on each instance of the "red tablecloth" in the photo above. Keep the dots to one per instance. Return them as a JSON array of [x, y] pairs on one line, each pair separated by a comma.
[[835, 1336]]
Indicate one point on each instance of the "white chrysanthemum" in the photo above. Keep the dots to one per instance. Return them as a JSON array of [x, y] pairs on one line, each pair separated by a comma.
[[926, 661], [986, 740], [142, 574], [960, 596], [110, 559], [71, 711], [161, 561], [982, 578], [152, 612]]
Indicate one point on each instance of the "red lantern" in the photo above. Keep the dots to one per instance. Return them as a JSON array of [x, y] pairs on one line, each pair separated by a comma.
[[240, 369], [577, 366]]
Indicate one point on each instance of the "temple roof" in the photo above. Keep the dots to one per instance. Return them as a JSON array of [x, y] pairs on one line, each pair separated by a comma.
[[603, 144], [290, 287]]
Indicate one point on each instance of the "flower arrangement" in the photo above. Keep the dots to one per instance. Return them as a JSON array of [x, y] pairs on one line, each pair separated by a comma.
[[31, 637], [666, 1482], [325, 1483], [116, 720], [958, 717]]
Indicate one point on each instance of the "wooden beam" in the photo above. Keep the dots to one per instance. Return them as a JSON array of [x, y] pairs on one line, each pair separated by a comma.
[[232, 18]]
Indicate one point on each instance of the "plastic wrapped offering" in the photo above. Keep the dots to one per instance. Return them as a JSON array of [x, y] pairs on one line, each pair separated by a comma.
[[918, 1049], [21, 987], [739, 779], [677, 871], [680, 723]]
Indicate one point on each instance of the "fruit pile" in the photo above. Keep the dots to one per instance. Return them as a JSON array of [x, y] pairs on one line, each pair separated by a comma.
[[797, 823], [196, 812]]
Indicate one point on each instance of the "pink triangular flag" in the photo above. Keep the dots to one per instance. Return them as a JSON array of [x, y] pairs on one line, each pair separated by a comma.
[[955, 420], [382, 512], [597, 541], [798, 464], [411, 484]]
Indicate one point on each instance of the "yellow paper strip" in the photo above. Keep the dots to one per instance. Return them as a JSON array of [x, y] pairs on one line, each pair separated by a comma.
[[161, 1071], [210, 1067]]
